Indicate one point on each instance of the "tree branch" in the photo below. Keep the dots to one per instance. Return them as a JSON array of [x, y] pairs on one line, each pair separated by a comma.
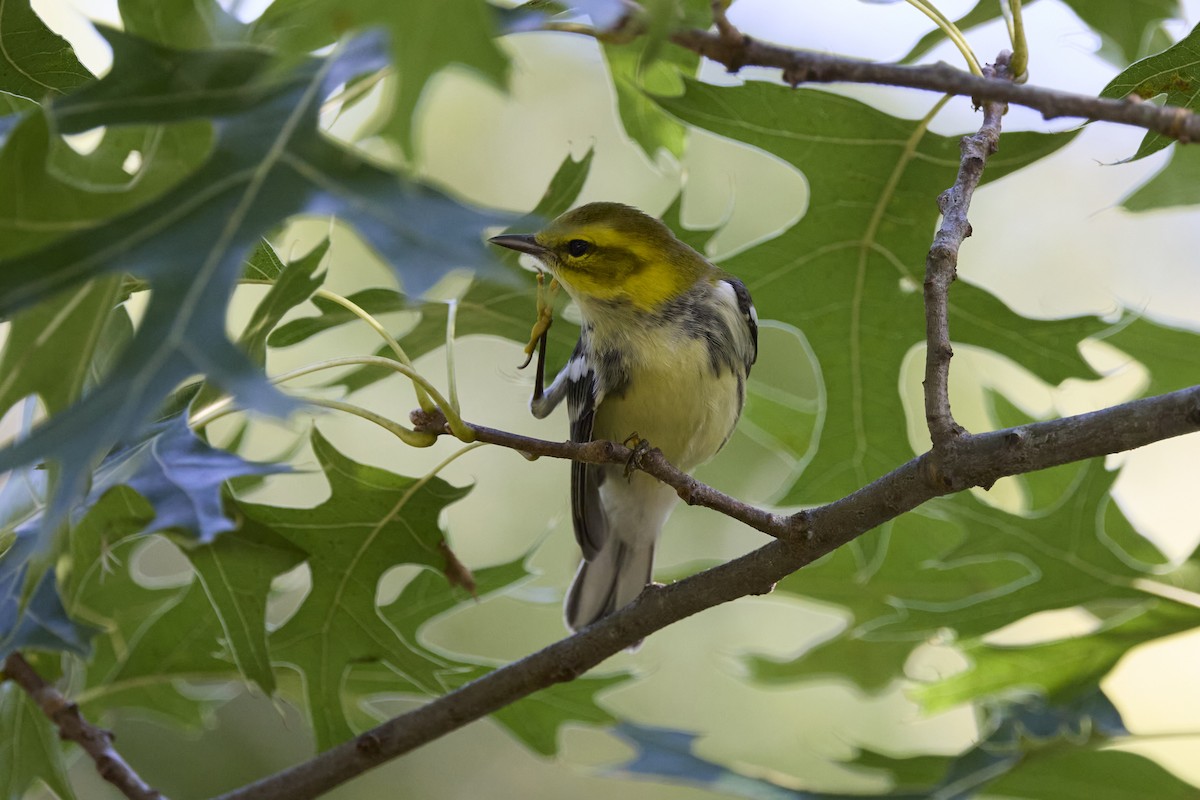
[[96, 742], [970, 460], [942, 264], [802, 66]]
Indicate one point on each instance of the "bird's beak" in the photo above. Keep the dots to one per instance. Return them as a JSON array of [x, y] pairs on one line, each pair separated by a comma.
[[522, 243]]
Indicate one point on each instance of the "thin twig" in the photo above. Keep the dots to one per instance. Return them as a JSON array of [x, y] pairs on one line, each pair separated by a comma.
[[977, 460], [652, 462], [802, 66], [941, 265], [96, 742]]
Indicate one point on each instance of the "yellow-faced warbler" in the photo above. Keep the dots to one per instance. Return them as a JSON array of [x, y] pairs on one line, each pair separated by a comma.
[[666, 344]]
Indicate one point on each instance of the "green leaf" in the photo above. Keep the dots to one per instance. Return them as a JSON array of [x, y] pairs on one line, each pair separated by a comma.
[[849, 272], [1059, 668], [634, 81], [1017, 738], [965, 566], [536, 720], [35, 62], [29, 749], [1127, 26], [373, 520], [180, 475], [292, 286], [1092, 775], [1176, 184], [1175, 72], [425, 38], [270, 161], [185, 24], [1169, 353], [50, 347], [236, 572], [151, 637]]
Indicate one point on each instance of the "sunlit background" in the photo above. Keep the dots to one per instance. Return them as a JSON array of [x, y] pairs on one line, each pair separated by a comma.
[[1104, 259]]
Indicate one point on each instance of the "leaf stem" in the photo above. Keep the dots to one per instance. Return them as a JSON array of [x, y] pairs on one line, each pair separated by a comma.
[[407, 435], [451, 377], [423, 398], [460, 429], [952, 33], [1019, 64], [1167, 592]]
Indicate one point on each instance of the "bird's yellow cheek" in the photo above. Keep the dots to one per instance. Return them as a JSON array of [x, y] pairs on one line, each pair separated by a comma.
[[646, 290], [587, 284]]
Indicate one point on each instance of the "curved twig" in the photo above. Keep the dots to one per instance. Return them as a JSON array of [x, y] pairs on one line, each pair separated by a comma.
[[96, 742]]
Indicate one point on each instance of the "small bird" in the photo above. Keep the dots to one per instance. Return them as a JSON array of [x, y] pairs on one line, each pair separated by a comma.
[[666, 345]]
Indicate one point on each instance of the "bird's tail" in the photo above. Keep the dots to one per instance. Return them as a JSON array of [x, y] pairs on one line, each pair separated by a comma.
[[614, 576]]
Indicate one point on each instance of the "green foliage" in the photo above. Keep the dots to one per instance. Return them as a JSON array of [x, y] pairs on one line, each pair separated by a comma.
[[1173, 73], [1176, 184], [1028, 752], [119, 275], [373, 520], [847, 273], [1127, 27], [423, 41], [37, 64], [29, 751]]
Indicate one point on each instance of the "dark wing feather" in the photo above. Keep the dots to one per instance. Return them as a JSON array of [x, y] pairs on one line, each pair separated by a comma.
[[749, 314], [586, 513]]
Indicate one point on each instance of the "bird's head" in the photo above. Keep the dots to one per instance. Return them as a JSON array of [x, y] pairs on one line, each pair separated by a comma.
[[614, 253]]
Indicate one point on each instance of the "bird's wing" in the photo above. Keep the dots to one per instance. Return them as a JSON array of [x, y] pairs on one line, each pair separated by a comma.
[[586, 513], [749, 314]]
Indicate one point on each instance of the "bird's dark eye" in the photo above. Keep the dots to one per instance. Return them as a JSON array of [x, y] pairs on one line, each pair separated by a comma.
[[577, 247]]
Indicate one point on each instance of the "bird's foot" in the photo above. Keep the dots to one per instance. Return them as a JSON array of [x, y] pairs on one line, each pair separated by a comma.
[[640, 447], [545, 317]]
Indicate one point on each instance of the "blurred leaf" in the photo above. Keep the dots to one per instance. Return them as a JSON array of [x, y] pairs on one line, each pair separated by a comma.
[[35, 62], [29, 750], [373, 520], [270, 161], [849, 272], [535, 720], [1176, 184], [186, 24], [50, 346], [1059, 668], [643, 68], [1092, 775], [499, 308], [1169, 353], [1127, 27], [1174, 72], [180, 475], [1017, 740], [964, 566], [151, 638], [696, 238], [33, 616], [425, 38]]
